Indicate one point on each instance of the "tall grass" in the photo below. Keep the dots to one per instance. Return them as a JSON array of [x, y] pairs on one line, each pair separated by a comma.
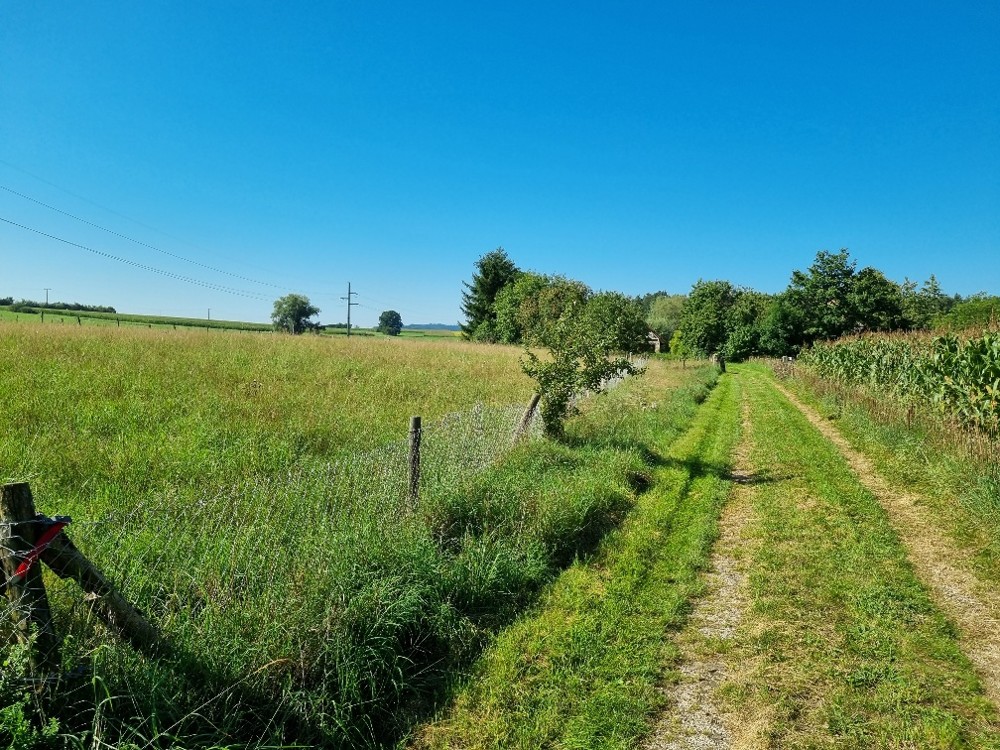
[[249, 495]]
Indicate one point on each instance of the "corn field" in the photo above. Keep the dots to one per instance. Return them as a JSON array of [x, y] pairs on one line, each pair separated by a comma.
[[958, 378]]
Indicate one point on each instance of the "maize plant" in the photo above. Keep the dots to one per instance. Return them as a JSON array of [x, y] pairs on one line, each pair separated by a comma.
[[960, 378]]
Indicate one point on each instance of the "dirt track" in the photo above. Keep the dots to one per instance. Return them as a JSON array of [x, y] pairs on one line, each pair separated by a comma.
[[943, 566]]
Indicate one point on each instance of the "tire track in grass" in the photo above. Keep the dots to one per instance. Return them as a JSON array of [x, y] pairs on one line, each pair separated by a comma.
[[842, 645], [693, 719], [943, 566]]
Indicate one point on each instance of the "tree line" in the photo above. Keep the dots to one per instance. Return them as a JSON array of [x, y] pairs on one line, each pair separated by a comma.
[[30, 306], [828, 300], [504, 304]]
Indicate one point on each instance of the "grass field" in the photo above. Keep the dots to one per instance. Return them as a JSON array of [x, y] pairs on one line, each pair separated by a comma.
[[248, 493], [89, 318]]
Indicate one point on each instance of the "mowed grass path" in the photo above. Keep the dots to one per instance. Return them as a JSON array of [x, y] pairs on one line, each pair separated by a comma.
[[842, 645], [583, 669]]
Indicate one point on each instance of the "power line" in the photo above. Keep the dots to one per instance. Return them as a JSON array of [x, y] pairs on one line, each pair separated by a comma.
[[143, 266], [111, 210], [137, 242]]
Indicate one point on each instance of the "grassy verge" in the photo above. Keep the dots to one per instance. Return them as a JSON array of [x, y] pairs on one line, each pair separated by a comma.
[[581, 670], [229, 487], [842, 646], [962, 492]]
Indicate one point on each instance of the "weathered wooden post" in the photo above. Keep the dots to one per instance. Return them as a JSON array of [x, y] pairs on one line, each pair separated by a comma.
[[66, 561], [415, 434], [19, 529], [529, 413]]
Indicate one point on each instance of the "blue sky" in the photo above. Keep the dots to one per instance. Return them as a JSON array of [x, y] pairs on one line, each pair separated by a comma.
[[640, 146]]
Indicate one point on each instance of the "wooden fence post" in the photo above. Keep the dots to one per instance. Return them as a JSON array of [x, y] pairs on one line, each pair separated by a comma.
[[29, 604], [529, 413], [415, 434], [66, 561]]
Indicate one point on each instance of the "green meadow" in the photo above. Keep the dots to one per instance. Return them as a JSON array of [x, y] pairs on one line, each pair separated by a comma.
[[249, 494]]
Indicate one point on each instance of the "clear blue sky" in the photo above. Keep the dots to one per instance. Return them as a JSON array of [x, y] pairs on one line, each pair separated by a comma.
[[634, 146]]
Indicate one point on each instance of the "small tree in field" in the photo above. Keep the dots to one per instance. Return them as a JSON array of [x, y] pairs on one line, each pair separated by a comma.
[[390, 323], [292, 313], [579, 360]]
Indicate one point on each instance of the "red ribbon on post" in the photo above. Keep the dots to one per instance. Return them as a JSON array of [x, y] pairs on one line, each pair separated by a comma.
[[50, 533]]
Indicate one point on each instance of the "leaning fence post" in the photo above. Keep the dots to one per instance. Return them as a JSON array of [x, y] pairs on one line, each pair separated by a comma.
[[529, 413], [66, 561], [415, 432], [29, 603]]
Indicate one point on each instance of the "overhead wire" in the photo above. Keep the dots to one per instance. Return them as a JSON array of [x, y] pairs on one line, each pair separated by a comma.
[[143, 266], [62, 189], [139, 242]]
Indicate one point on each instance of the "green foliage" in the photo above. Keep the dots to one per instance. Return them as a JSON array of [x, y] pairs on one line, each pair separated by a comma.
[[517, 307], [19, 728], [877, 302], [705, 316], [822, 296], [664, 314], [579, 349], [620, 320], [494, 271], [549, 302], [829, 300], [292, 312], [977, 312], [921, 308], [677, 346], [963, 379], [390, 323]]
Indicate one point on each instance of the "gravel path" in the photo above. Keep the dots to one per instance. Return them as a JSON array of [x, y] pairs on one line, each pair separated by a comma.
[[692, 720]]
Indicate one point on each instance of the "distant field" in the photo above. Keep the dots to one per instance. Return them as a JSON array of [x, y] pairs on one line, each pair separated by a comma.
[[84, 318], [87, 318]]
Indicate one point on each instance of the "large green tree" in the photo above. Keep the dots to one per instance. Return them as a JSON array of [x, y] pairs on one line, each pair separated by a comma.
[[822, 296], [390, 323], [292, 313], [494, 271], [516, 307], [921, 306], [877, 302], [705, 316], [620, 320]]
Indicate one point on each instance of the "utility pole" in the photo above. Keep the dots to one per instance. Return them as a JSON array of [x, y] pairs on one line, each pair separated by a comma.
[[350, 304], [47, 290]]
